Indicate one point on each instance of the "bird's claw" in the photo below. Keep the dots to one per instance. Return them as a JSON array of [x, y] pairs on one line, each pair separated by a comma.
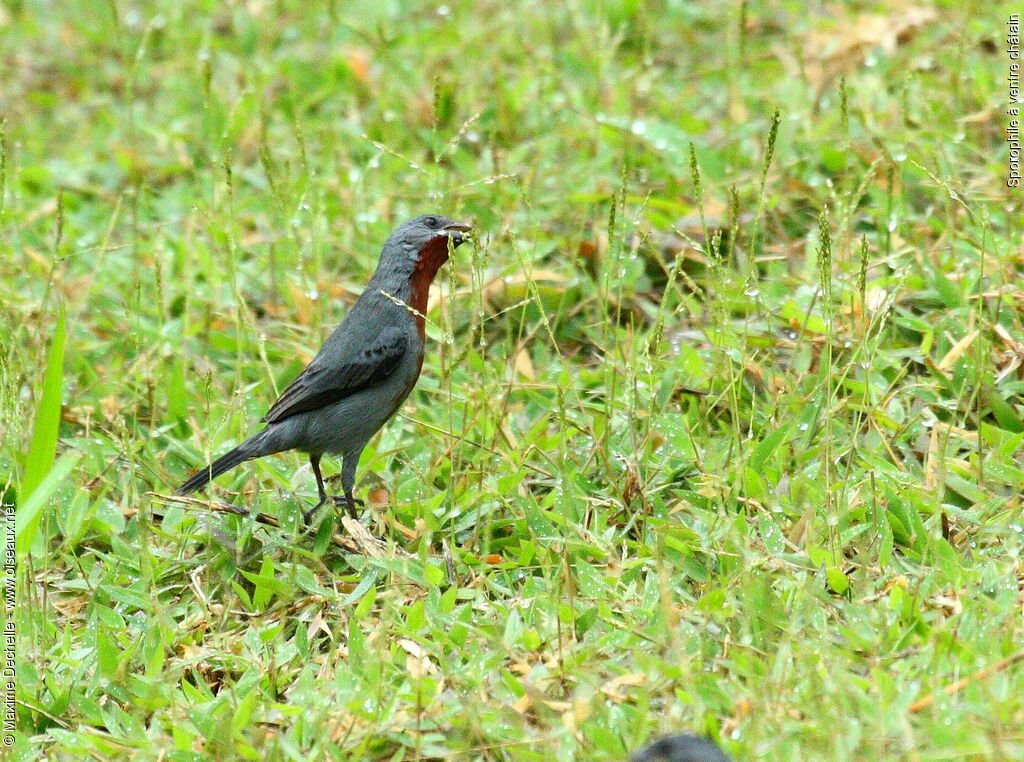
[[339, 501], [307, 516]]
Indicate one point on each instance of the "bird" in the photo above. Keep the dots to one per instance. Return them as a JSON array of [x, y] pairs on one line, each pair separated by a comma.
[[680, 748], [364, 370]]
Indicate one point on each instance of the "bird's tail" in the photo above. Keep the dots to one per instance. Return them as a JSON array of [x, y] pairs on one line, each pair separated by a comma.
[[250, 448]]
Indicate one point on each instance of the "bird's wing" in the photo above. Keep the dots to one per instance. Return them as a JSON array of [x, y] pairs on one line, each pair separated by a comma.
[[329, 379]]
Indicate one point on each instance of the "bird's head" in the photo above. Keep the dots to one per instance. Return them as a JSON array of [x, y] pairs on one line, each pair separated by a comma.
[[424, 239], [412, 256]]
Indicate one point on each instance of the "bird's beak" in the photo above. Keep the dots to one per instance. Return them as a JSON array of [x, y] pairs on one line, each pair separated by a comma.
[[456, 231]]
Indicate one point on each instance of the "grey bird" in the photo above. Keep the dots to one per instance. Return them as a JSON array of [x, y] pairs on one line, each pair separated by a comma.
[[680, 748], [365, 369]]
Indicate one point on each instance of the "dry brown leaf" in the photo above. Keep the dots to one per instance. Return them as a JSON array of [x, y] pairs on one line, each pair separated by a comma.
[[358, 61], [111, 407], [303, 304], [1012, 358], [949, 603], [317, 624], [612, 688], [417, 662], [875, 298], [835, 49], [959, 685], [956, 351], [378, 496], [368, 544], [979, 117], [931, 464], [573, 714], [412, 647], [524, 365], [520, 667], [587, 251], [70, 606], [1008, 339], [407, 532]]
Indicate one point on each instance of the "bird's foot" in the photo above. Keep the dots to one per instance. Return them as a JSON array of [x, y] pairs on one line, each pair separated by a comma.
[[341, 500], [307, 516], [338, 500]]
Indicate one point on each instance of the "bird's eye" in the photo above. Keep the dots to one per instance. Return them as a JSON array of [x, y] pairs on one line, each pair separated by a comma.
[[431, 222]]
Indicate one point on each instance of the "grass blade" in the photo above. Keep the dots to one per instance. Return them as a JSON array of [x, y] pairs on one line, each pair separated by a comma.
[[43, 449]]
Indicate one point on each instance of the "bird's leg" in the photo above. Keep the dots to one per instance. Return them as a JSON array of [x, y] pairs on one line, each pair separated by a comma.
[[350, 502], [348, 479], [348, 483], [314, 463]]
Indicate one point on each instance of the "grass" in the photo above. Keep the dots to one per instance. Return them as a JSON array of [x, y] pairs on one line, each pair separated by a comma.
[[719, 429]]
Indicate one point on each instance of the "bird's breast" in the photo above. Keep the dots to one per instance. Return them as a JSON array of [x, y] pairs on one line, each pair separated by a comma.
[[430, 260]]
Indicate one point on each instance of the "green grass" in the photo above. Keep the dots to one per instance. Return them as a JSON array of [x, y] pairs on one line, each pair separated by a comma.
[[731, 445]]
